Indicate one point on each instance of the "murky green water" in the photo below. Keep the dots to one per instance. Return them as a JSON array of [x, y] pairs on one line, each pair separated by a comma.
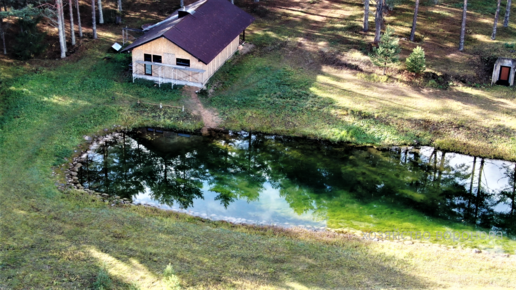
[[290, 182]]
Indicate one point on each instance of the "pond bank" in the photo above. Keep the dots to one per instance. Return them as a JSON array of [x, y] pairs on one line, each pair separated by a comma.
[[444, 175]]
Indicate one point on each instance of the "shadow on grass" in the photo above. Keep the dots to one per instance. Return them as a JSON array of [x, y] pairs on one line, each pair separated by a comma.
[[64, 242]]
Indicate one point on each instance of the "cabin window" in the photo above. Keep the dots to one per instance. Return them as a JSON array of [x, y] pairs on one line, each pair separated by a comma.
[[156, 58], [182, 62], [148, 67]]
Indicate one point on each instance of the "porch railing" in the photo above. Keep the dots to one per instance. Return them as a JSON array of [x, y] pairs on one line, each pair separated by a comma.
[[168, 73]]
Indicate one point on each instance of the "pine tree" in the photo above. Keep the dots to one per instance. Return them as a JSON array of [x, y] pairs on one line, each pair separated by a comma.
[[29, 42], [463, 25], [388, 51], [366, 15], [378, 19], [414, 22], [497, 14], [507, 13], [78, 18], [416, 61]]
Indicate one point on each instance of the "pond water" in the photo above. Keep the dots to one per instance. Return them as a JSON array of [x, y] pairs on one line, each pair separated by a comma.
[[260, 179]]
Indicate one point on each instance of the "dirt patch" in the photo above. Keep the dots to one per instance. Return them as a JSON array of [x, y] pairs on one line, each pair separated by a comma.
[[209, 117], [245, 48]]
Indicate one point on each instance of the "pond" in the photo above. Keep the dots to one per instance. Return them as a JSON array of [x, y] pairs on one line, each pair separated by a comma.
[[261, 179]]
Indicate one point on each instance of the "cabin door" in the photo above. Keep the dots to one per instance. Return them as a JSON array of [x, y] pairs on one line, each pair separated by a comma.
[[505, 71]]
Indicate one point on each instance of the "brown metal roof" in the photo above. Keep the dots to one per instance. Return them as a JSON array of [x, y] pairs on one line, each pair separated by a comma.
[[203, 34]]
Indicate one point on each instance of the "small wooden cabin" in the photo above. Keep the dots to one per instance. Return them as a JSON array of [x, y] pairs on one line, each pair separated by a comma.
[[504, 72], [189, 46]]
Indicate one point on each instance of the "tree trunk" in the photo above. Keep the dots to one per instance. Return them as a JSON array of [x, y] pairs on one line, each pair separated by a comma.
[[182, 3], [497, 15], [471, 185], [119, 14], [101, 15], [78, 18], [94, 20], [3, 34], [72, 30], [513, 191], [106, 179], [63, 24], [366, 15], [463, 26], [378, 20], [507, 13], [479, 188], [60, 24], [3, 42], [414, 21], [441, 168]]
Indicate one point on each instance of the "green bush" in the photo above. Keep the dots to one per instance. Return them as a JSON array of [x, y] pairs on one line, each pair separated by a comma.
[[103, 281], [509, 45], [416, 61], [30, 41], [433, 84], [170, 279]]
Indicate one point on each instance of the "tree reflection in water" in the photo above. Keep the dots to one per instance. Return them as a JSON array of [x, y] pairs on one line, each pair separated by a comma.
[[310, 176]]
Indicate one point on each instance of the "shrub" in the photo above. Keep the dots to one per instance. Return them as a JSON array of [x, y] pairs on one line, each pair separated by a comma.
[[30, 41], [509, 46], [103, 281], [433, 84], [416, 61], [170, 279], [388, 51]]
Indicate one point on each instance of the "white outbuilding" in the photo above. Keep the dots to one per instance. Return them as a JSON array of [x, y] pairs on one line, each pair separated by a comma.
[[504, 72]]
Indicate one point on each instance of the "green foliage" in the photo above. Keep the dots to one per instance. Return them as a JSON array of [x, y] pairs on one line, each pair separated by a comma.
[[433, 84], [479, 6], [30, 41], [388, 51], [416, 61], [170, 280], [61, 152], [122, 59], [392, 3], [103, 281], [510, 45], [27, 13]]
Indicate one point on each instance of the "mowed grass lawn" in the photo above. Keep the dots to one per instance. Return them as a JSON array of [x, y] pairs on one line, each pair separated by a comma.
[[298, 81], [60, 240], [55, 240], [268, 93]]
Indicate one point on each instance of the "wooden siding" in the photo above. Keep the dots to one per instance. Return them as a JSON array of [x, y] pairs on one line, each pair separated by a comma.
[[169, 52]]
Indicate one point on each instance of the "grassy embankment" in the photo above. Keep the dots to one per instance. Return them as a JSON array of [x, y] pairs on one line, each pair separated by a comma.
[[60, 241]]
